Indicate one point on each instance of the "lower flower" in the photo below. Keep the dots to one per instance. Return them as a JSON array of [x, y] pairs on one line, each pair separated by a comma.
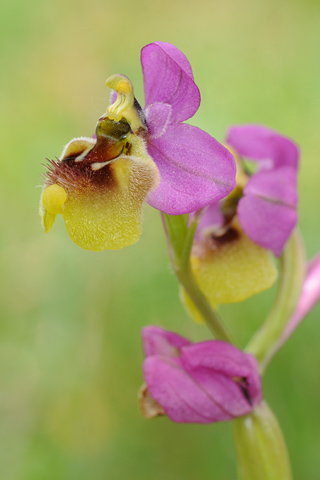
[[205, 382]]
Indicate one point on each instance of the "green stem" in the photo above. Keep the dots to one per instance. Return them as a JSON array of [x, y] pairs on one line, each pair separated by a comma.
[[188, 242], [261, 449], [292, 271], [180, 239]]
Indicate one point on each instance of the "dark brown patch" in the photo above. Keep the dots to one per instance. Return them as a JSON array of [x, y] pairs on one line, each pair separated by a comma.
[[73, 175], [229, 236], [245, 389], [127, 148], [105, 149], [242, 382]]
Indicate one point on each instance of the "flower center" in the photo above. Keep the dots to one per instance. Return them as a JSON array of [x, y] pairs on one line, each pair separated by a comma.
[[126, 106]]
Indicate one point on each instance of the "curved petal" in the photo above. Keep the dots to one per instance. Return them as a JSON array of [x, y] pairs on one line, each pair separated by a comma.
[[157, 341], [168, 79], [232, 397], [227, 360], [212, 219], [182, 399], [158, 118], [257, 142], [269, 225], [277, 186], [219, 356], [195, 170], [176, 54], [267, 212]]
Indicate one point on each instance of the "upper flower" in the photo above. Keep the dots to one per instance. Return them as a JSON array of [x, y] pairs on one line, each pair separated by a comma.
[[99, 185], [205, 382], [267, 210]]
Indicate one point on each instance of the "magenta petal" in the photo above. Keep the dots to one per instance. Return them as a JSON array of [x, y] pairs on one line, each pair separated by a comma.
[[157, 341], [257, 142], [158, 118], [277, 186], [267, 212], [207, 382], [225, 392], [181, 398], [266, 224], [195, 170], [309, 297], [168, 79], [226, 360], [211, 219], [176, 54], [220, 356]]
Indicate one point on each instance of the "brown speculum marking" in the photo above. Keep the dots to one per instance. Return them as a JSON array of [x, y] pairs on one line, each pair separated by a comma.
[[229, 236], [74, 173]]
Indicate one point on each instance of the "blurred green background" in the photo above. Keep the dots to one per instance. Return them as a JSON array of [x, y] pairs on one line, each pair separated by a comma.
[[70, 348]]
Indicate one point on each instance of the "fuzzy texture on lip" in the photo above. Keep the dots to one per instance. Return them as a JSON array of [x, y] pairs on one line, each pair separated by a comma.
[[267, 211], [99, 190], [231, 268], [194, 168], [205, 382]]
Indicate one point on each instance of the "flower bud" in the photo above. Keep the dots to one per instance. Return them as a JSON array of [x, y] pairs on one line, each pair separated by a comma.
[[205, 382]]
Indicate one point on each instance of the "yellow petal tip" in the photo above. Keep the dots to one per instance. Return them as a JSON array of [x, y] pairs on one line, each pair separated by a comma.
[[48, 221], [53, 199]]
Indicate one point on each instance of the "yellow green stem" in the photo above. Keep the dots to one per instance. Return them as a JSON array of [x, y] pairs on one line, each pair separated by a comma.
[[261, 449], [180, 239], [292, 272]]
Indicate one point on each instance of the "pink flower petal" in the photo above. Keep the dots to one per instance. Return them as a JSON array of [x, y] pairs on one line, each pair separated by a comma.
[[168, 79], [224, 392], [267, 212], [310, 296], [181, 398], [157, 341], [158, 117], [226, 360], [195, 170], [257, 142]]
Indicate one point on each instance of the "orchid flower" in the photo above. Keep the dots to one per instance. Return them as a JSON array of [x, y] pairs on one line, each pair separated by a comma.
[[231, 256], [204, 382], [99, 185]]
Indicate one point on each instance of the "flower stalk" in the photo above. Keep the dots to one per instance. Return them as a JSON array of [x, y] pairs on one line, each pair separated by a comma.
[[180, 239], [260, 446], [292, 273]]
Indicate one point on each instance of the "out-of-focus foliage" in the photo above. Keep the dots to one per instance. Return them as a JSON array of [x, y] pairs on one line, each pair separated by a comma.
[[70, 348]]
